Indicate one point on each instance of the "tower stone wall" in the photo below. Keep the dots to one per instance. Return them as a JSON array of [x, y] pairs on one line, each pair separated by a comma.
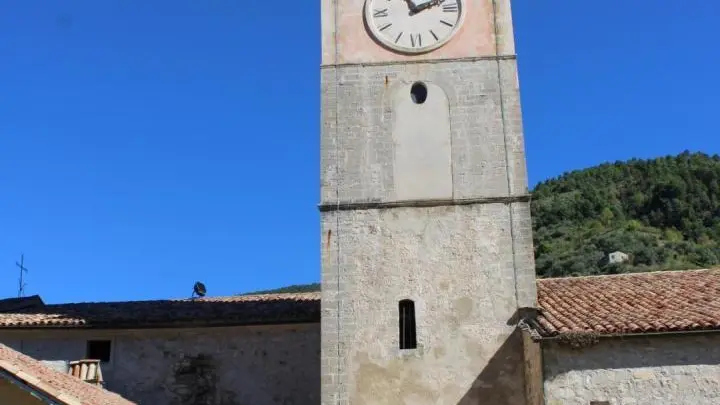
[[427, 202]]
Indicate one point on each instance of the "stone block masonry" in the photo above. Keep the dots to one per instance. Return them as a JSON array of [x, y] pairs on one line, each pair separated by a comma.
[[678, 370], [465, 258], [203, 366], [456, 264], [488, 158]]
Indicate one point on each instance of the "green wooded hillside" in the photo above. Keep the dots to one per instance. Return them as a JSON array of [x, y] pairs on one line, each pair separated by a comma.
[[664, 213]]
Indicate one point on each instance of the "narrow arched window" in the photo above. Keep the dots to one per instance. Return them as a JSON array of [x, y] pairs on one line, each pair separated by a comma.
[[408, 338]]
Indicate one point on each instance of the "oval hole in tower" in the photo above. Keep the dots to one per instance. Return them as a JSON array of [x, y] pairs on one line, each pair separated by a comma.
[[418, 92]]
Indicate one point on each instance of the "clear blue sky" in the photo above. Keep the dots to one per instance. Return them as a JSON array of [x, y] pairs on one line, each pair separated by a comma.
[[147, 145]]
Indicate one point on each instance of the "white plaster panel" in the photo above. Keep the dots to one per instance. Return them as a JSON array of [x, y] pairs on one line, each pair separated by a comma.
[[421, 135]]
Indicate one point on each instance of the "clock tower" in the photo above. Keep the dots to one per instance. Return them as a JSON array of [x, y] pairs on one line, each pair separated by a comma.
[[426, 243]]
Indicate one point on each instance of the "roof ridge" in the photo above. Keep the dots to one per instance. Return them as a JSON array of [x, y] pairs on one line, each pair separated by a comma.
[[272, 294], [637, 274], [201, 299]]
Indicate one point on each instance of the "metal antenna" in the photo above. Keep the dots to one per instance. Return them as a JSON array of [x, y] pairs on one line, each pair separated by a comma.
[[23, 270]]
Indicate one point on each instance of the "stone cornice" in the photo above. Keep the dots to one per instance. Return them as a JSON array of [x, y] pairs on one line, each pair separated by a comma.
[[418, 61], [369, 205]]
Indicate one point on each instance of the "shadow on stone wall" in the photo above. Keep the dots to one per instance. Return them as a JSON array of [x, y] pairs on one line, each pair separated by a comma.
[[502, 381], [632, 352]]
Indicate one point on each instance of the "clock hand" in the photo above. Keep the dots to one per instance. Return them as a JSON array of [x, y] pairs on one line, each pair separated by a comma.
[[424, 6], [410, 4]]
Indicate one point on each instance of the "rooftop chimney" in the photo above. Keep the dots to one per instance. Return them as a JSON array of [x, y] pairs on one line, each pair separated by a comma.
[[87, 370]]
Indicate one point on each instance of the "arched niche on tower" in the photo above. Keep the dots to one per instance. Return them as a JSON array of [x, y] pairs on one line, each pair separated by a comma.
[[422, 164]]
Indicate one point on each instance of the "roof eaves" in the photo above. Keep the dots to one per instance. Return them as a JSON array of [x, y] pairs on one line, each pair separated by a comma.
[[166, 325], [545, 337], [30, 387]]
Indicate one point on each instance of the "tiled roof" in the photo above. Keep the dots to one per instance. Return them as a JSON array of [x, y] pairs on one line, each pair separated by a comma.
[[668, 301], [208, 311], [617, 304], [63, 388]]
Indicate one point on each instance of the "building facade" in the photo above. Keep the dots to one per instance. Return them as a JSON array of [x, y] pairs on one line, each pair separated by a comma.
[[276, 364], [672, 369], [427, 253], [214, 351], [622, 339], [643, 338]]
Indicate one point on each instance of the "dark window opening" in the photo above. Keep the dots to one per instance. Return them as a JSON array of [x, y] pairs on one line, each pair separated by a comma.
[[98, 350], [418, 92], [408, 338]]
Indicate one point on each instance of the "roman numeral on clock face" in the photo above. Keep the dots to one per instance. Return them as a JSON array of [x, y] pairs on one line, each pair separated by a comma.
[[416, 40], [380, 13]]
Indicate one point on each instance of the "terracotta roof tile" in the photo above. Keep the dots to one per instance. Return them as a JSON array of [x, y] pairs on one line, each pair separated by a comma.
[[630, 303], [64, 388], [617, 304], [209, 311]]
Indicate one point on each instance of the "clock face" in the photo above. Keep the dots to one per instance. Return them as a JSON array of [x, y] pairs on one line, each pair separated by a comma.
[[413, 26]]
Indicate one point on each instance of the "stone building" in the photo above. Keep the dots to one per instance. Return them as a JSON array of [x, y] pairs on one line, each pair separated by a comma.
[[620, 339], [234, 350], [642, 338], [616, 257]]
